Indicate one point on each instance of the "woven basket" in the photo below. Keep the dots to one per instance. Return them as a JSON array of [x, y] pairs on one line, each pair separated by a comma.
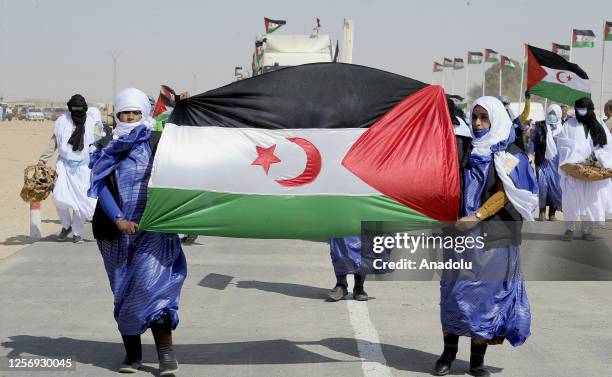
[[587, 172], [38, 181]]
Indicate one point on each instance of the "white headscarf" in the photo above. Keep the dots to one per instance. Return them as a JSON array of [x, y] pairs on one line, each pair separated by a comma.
[[552, 131], [131, 99], [524, 201], [500, 125]]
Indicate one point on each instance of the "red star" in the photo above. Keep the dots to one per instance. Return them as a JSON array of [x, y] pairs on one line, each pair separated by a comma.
[[266, 157], [569, 78]]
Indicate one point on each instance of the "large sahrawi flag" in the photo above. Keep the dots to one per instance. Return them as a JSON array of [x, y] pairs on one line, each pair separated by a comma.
[[551, 76], [305, 152]]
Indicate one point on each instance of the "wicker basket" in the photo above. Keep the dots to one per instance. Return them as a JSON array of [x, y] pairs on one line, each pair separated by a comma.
[[586, 172], [38, 181]]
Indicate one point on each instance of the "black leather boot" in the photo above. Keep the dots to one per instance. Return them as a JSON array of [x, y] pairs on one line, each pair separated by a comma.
[[133, 354], [477, 353], [443, 365]]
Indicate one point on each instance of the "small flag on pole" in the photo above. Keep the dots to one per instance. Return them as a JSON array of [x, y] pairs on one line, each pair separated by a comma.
[[163, 107], [506, 62], [259, 49], [491, 56], [583, 38], [437, 67], [474, 57], [608, 31], [561, 50], [448, 63], [272, 25], [165, 101], [458, 64]]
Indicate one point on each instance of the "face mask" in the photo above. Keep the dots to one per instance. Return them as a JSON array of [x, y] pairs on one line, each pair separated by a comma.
[[551, 119], [581, 111], [480, 133]]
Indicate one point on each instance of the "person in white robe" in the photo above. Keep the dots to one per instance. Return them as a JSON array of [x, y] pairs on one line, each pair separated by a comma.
[[584, 138], [73, 134]]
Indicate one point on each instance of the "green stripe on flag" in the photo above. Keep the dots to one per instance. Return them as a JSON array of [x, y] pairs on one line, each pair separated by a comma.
[[273, 216], [582, 44], [557, 92]]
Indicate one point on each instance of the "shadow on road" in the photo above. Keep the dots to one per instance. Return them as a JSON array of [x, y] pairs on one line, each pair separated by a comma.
[[22, 240], [287, 289], [108, 355]]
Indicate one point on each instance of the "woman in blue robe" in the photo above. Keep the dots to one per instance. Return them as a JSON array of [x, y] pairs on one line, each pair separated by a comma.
[[146, 270], [547, 162], [488, 302]]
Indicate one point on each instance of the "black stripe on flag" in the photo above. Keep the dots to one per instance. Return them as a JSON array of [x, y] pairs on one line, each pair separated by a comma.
[[584, 32], [319, 95], [549, 59], [561, 47]]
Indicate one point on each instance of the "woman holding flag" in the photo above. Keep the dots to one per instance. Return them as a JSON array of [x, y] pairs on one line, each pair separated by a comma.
[[146, 269], [488, 303]]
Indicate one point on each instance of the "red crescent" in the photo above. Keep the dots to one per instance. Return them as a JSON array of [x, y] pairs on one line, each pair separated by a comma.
[[313, 164], [559, 77]]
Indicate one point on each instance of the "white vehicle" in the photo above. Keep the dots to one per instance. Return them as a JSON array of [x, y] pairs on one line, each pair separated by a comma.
[[34, 114], [283, 50]]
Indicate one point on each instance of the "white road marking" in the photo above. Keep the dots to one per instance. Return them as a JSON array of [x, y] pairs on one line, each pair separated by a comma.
[[368, 343]]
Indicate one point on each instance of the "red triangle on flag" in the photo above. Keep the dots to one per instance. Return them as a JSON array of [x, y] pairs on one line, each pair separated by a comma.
[[535, 72], [410, 155]]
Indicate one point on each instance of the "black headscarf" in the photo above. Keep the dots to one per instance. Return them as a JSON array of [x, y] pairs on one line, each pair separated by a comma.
[[590, 122], [78, 113]]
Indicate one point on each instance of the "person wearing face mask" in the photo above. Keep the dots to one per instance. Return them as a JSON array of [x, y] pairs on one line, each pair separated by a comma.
[[488, 302], [146, 270], [584, 140], [544, 147], [73, 133]]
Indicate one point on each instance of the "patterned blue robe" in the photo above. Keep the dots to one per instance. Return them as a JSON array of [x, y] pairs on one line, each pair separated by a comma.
[[489, 301], [145, 270]]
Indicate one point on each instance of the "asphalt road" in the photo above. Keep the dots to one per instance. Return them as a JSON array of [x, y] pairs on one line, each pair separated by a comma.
[[256, 308]]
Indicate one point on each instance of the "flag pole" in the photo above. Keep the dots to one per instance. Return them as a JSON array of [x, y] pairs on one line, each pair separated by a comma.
[[571, 45], [483, 75], [603, 57], [467, 68], [443, 78], [520, 96], [500, 76], [453, 79]]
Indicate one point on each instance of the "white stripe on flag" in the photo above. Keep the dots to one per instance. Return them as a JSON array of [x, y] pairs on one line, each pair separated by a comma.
[[561, 77], [220, 159]]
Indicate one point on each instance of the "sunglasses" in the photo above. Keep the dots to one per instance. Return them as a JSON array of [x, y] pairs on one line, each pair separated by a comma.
[[133, 112]]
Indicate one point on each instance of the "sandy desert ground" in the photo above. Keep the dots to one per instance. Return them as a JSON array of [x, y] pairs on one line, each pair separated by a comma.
[[21, 143]]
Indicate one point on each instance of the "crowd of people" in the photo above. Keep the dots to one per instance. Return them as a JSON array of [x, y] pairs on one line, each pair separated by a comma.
[[508, 171]]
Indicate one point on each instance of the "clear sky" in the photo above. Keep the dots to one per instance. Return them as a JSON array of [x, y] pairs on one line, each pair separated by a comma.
[[53, 49]]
